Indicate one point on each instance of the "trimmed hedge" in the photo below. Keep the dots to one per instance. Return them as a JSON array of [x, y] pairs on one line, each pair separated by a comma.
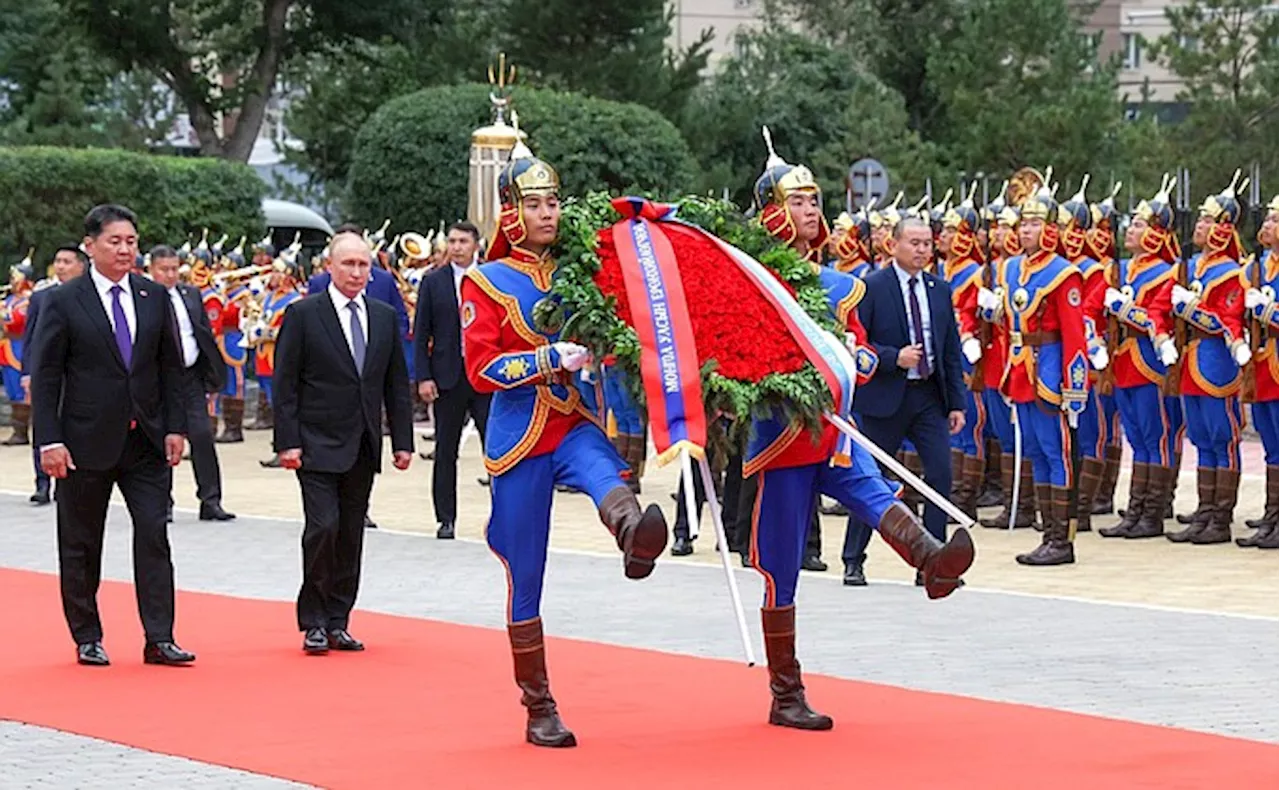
[[46, 192], [410, 159]]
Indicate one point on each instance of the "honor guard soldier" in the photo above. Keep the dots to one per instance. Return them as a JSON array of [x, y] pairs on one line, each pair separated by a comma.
[[962, 267], [1208, 300], [1100, 242], [883, 221], [1047, 376], [1262, 278], [234, 295], [13, 325], [851, 244], [1003, 220], [1138, 309], [1075, 218], [539, 432], [281, 291], [795, 466]]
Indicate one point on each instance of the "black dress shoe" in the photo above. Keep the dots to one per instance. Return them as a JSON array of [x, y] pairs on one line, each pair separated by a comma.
[[166, 653], [271, 463], [215, 512], [854, 575], [91, 654], [339, 639], [41, 495], [445, 532], [315, 642], [813, 563], [368, 523], [681, 547]]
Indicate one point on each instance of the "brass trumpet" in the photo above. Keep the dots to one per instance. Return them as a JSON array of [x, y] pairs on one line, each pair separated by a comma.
[[236, 275]]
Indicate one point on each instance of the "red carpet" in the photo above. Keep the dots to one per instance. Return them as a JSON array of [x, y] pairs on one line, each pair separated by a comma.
[[433, 705]]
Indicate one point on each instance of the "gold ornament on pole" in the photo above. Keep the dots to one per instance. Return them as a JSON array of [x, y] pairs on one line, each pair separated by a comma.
[[490, 149]]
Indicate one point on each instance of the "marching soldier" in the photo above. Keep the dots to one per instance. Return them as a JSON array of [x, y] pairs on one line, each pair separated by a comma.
[[962, 267], [1047, 377], [1262, 278], [1208, 300], [13, 325]]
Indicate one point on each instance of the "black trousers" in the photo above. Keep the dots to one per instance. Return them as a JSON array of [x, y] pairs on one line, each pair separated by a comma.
[[204, 458], [333, 505], [83, 495], [451, 411], [922, 418], [738, 540]]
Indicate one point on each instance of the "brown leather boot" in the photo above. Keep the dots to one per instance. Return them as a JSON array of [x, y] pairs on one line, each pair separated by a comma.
[[957, 471], [262, 417], [1218, 530], [1104, 502], [20, 421], [1041, 498], [940, 566], [1270, 540], [1159, 491], [972, 471], [1026, 498], [789, 708], [1056, 546], [1087, 485], [544, 727], [1206, 487], [232, 421], [213, 424], [992, 476], [1139, 476], [1006, 486], [641, 536], [912, 498], [1270, 512]]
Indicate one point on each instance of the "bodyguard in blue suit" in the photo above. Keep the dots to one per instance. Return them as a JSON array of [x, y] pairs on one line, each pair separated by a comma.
[[920, 396]]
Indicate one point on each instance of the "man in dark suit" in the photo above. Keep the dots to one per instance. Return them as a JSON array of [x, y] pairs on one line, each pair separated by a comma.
[[69, 262], [339, 362], [104, 393], [911, 324], [437, 340], [204, 371]]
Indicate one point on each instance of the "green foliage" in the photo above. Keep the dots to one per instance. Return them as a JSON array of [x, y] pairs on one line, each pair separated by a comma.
[[410, 159], [592, 321], [45, 193], [823, 107]]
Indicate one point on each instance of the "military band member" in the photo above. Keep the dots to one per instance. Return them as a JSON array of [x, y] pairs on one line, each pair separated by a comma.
[[234, 295], [963, 265], [1208, 300], [262, 327], [1047, 377], [795, 467], [13, 324], [1100, 242], [1262, 278], [539, 431]]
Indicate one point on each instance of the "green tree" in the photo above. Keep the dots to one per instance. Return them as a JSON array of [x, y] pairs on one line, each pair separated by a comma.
[[823, 107], [222, 58], [1225, 53]]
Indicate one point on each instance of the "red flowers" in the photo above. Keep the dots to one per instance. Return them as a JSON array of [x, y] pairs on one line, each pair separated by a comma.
[[732, 322]]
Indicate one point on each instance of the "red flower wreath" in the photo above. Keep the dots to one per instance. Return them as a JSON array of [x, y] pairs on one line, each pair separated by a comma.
[[732, 323]]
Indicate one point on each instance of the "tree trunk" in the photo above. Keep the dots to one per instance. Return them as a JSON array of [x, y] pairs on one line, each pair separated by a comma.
[[259, 82]]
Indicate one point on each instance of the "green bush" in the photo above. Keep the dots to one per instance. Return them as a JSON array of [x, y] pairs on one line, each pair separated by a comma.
[[410, 159], [46, 192]]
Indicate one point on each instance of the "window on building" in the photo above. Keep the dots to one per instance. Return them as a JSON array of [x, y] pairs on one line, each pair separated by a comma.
[[1132, 44], [1189, 43]]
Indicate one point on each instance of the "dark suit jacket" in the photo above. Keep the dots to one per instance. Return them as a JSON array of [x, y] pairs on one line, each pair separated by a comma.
[[884, 315], [437, 331], [210, 366], [82, 395], [382, 287], [29, 334], [322, 405]]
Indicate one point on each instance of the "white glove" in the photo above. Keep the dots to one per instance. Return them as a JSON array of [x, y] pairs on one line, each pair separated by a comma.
[[1099, 358], [1115, 301], [987, 299], [851, 342], [1253, 298], [1181, 296], [1168, 353], [572, 356], [1241, 353], [972, 350]]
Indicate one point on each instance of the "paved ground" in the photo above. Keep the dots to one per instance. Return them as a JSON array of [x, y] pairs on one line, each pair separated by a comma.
[[1086, 649]]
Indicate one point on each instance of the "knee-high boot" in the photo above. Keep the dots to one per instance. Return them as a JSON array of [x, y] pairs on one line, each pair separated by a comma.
[[20, 421], [789, 708], [232, 421], [530, 656], [1090, 480], [1139, 476], [641, 536], [1226, 492], [940, 565], [1056, 547], [1104, 502], [1206, 487], [1006, 486], [1270, 511]]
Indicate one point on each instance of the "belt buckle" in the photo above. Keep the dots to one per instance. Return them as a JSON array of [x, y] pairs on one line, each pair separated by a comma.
[[1015, 339]]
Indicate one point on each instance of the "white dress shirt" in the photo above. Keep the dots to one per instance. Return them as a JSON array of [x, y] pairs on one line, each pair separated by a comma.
[[340, 302], [458, 273], [926, 321], [103, 286], [186, 332]]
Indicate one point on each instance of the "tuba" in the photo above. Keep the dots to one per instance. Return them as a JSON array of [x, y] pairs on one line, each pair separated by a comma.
[[414, 246], [1022, 185]]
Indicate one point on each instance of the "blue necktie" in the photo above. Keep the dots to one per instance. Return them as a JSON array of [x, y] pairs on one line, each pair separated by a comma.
[[357, 338], [124, 341]]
